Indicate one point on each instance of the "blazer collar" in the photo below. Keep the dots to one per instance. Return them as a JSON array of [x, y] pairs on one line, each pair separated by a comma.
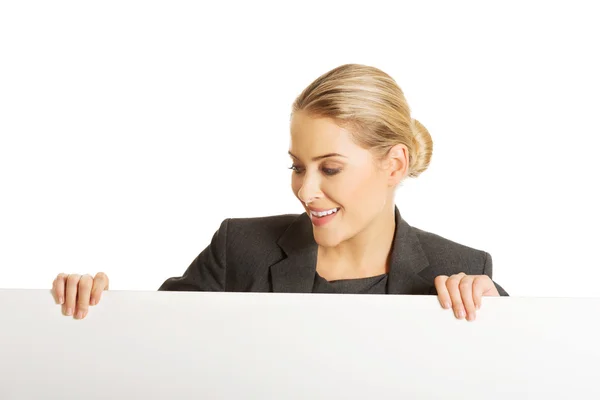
[[296, 272]]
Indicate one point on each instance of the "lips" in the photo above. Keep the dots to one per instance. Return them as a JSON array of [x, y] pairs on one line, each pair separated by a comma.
[[320, 217], [323, 212]]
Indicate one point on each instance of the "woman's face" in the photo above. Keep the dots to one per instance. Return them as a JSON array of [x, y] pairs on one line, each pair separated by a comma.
[[333, 174]]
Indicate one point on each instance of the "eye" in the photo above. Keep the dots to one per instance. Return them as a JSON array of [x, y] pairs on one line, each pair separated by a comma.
[[330, 171], [296, 169]]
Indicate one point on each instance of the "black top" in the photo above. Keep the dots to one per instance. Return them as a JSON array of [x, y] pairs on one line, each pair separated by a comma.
[[371, 285]]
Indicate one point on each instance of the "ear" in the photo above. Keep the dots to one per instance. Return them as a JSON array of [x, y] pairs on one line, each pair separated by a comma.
[[397, 161]]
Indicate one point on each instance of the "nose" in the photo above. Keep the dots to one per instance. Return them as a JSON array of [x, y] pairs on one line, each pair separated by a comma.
[[309, 191]]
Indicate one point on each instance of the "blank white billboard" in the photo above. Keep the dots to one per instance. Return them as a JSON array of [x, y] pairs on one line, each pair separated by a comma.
[[190, 345]]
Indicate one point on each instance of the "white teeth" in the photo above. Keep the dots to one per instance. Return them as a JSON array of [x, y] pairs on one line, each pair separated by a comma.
[[324, 213]]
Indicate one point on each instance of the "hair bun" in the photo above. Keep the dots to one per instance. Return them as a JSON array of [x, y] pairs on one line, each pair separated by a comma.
[[423, 149]]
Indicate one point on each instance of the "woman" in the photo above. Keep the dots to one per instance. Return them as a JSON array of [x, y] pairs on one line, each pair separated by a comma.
[[353, 141]]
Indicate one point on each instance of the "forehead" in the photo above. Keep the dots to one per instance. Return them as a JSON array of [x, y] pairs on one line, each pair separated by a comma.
[[317, 134]]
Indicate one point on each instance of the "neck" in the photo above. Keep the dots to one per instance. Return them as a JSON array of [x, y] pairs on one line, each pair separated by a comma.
[[366, 254]]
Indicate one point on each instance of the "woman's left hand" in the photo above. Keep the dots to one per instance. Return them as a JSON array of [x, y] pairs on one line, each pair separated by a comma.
[[463, 293]]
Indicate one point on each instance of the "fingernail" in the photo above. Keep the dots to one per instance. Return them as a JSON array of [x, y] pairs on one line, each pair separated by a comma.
[[61, 300], [69, 311], [93, 302], [79, 314], [447, 305], [461, 314]]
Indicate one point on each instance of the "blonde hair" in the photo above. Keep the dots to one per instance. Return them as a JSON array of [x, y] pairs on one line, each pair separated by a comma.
[[371, 105]]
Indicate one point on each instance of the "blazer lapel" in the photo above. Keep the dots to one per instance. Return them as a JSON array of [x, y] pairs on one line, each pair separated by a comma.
[[296, 272], [408, 272], [408, 262]]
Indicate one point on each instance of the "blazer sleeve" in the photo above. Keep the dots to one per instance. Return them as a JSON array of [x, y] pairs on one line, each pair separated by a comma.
[[488, 269], [208, 271]]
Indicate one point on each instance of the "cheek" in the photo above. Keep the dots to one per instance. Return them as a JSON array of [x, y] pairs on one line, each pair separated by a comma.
[[362, 195], [362, 188]]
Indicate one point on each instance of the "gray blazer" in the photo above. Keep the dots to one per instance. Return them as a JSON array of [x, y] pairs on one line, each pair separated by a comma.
[[279, 254]]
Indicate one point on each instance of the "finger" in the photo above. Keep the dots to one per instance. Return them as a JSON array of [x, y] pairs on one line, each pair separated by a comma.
[[84, 288], [58, 288], [482, 286], [440, 287], [53, 290], [454, 291], [71, 293], [100, 284], [466, 294]]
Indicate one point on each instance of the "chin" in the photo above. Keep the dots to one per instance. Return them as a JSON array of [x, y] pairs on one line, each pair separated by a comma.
[[325, 239]]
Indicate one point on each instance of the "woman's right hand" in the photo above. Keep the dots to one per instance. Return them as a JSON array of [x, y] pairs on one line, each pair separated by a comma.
[[76, 292]]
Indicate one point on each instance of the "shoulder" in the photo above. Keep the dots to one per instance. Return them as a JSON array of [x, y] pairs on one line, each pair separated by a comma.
[[447, 257], [251, 246], [451, 256], [272, 225], [256, 231], [269, 221]]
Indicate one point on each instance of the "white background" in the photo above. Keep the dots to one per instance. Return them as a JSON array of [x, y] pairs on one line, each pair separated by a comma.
[[130, 130]]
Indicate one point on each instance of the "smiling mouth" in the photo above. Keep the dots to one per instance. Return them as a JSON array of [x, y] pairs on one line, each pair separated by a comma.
[[324, 213]]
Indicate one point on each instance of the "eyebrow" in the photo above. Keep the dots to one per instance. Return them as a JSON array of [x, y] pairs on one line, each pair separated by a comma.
[[320, 157]]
